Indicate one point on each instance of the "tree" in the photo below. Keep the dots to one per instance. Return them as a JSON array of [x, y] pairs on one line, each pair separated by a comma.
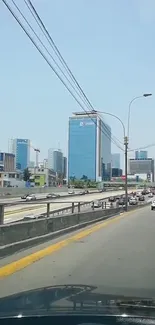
[[84, 178], [26, 175]]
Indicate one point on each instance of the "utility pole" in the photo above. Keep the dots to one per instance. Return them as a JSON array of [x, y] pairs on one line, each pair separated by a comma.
[[126, 172]]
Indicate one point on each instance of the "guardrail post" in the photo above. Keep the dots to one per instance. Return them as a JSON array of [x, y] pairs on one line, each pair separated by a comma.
[[102, 204], [78, 206], [72, 207], [1, 214], [48, 210], [105, 204]]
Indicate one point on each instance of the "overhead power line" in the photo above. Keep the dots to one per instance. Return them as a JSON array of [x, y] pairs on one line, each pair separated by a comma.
[[60, 57], [45, 58], [141, 148], [64, 64]]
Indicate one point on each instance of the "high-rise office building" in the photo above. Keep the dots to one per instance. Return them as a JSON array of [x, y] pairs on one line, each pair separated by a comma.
[[21, 150], [64, 167], [89, 147], [7, 162], [142, 154], [115, 157], [55, 160]]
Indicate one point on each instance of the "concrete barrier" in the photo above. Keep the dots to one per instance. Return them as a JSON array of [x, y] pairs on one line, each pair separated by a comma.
[[14, 237], [17, 236]]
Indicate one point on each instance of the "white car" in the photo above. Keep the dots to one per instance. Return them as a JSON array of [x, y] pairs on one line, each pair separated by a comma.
[[153, 205], [31, 197], [71, 192], [150, 195]]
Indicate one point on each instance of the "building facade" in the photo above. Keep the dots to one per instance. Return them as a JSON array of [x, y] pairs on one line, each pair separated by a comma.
[[55, 160], [142, 154], [41, 176], [21, 150], [7, 162], [64, 167], [89, 146], [142, 166], [115, 158]]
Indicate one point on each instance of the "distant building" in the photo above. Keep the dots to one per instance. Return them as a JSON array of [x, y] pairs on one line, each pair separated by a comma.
[[115, 157], [55, 160], [117, 172], [89, 147], [64, 167], [7, 162], [142, 166], [41, 176], [21, 150], [31, 164], [11, 179], [141, 154]]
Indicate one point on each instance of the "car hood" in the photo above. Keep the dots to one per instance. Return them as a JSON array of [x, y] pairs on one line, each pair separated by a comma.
[[75, 299]]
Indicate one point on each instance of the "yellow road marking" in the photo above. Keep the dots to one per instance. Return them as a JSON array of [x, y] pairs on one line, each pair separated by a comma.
[[23, 210], [34, 257]]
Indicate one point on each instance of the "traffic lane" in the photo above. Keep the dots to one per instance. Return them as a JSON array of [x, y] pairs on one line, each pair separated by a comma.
[[15, 216], [78, 198], [118, 255], [38, 211]]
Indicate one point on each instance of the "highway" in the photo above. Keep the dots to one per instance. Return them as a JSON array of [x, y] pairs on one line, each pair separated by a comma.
[[18, 212], [117, 254]]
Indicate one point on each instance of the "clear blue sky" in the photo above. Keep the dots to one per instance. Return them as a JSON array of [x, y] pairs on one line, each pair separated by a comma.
[[108, 44]]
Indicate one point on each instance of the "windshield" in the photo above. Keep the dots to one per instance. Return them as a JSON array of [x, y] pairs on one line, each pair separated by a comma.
[[77, 188]]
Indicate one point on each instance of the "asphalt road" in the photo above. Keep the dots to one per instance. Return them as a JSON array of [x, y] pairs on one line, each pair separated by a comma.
[[19, 212], [117, 256]]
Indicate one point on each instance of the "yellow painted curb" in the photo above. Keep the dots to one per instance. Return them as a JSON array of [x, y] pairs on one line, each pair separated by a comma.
[[32, 258]]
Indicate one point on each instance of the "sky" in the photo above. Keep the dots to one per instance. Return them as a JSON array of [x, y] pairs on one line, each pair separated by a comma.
[[109, 46]]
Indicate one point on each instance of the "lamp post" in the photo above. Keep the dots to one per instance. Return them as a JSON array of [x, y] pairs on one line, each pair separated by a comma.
[[129, 109], [125, 153], [126, 141]]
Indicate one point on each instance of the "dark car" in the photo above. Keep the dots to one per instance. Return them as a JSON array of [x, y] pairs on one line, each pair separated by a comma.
[[52, 196], [142, 198], [121, 201]]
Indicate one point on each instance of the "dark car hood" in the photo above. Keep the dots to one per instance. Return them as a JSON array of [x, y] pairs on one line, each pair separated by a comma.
[[74, 299]]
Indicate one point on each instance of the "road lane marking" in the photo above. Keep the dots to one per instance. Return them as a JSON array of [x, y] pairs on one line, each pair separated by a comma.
[[24, 262], [23, 210]]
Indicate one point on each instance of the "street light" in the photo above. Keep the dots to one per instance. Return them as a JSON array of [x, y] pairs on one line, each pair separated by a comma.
[[129, 110], [125, 152], [125, 142]]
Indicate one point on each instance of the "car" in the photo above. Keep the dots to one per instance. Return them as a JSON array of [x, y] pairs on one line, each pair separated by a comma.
[[71, 192], [82, 193], [23, 197], [153, 205], [150, 195], [121, 201], [142, 198], [96, 204], [52, 196], [133, 201], [112, 199], [31, 197]]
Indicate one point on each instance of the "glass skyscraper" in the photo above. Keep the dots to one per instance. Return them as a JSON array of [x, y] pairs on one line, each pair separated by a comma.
[[142, 154], [89, 146], [21, 150]]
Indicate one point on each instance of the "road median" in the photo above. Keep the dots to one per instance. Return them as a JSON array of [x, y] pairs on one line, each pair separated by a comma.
[[18, 236]]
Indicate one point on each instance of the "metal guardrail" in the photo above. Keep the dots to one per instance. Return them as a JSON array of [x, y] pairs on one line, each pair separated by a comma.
[[76, 207]]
